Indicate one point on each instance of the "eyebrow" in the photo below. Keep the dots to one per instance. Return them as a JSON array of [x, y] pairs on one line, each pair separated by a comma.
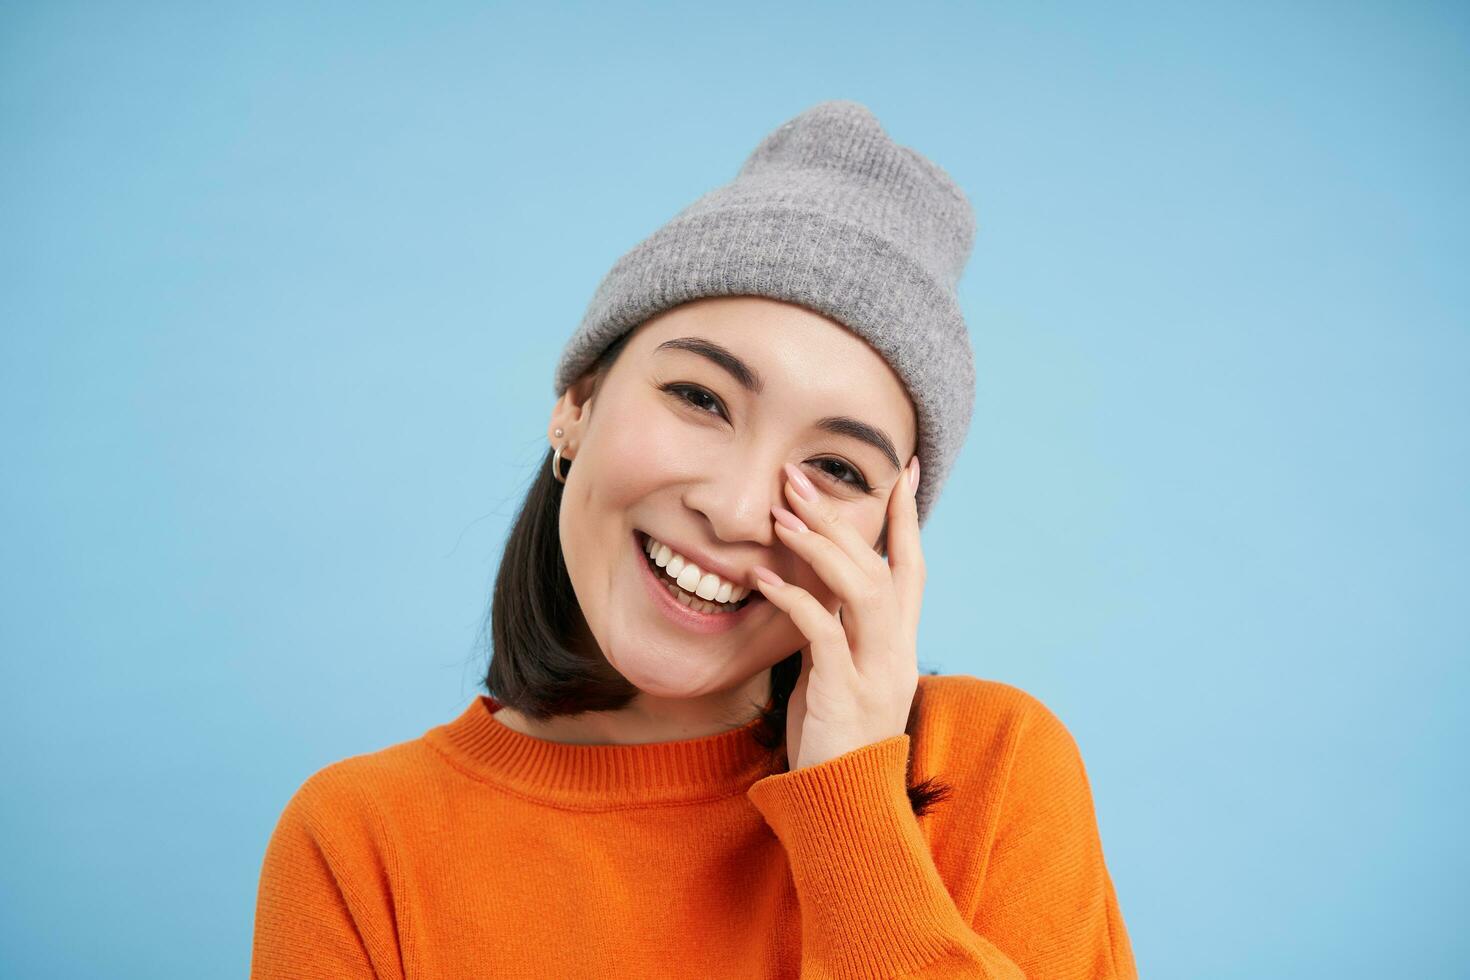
[[749, 379]]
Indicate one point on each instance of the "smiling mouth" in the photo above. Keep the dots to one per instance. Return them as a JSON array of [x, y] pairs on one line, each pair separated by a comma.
[[689, 600]]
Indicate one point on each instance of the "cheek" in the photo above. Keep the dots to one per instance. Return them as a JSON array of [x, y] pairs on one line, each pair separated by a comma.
[[632, 447]]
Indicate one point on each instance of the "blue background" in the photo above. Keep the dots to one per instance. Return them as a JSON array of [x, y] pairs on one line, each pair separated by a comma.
[[282, 291]]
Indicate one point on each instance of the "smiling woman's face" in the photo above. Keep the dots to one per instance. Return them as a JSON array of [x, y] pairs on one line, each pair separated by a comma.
[[685, 441]]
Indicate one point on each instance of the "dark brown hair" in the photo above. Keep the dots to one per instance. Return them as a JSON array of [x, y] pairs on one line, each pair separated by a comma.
[[544, 660]]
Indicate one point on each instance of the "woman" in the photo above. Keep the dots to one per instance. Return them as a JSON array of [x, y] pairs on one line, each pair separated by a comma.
[[708, 750]]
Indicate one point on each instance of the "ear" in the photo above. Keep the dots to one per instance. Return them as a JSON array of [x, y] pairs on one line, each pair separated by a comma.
[[570, 413]]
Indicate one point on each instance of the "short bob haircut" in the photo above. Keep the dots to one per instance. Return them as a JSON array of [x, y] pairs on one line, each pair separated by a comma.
[[536, 627]]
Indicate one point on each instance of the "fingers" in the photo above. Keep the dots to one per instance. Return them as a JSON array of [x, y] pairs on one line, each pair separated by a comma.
[[819, 515], [851, 584], [825, 635], [905, 553], [880, 598]]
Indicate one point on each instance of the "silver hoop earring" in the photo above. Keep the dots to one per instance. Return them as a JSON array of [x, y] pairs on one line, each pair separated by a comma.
[[556, 464]]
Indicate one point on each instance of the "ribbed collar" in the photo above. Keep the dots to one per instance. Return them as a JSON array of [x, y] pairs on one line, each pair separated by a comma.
[[600, 776]]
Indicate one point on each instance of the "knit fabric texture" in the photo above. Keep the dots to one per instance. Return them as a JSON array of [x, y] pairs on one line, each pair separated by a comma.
[[477, 851], [829, 213]]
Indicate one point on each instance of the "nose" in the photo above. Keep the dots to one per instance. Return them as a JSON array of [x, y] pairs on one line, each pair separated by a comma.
[[737, 496]]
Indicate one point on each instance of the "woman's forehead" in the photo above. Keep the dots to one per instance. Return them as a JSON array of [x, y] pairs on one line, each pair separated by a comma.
[[778, 341]]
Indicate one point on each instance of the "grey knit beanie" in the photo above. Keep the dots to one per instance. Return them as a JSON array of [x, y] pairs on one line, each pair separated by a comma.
[[829, 213]]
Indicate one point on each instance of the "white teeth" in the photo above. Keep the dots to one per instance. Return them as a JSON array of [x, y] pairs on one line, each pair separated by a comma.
[[709, 586], [693, 579], [693, 603], [686, 599]]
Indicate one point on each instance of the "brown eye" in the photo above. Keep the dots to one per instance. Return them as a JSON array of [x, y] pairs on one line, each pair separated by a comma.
[[855, 479], [694, 395]]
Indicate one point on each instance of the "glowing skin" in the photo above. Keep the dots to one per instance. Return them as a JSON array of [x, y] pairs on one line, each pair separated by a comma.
[[703, 471]]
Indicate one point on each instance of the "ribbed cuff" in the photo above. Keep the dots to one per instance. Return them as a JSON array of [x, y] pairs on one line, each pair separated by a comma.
[[872, 901]]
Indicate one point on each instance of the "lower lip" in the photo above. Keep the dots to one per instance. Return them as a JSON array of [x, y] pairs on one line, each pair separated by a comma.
[[680, 614]]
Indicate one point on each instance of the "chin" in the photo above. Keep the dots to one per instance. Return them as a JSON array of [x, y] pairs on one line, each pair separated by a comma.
[[662, 671], [675, 678]]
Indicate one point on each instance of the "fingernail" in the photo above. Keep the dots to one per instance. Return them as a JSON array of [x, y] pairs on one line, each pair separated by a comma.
[[787, 518], [803, 485], [914, 473], [767, 576]]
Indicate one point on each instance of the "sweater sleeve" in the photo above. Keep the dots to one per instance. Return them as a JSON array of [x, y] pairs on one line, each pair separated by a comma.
[[319, 914], [873, 904], [1046, 889]]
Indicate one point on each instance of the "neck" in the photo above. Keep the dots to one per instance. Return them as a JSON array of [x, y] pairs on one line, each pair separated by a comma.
[[649, 719]]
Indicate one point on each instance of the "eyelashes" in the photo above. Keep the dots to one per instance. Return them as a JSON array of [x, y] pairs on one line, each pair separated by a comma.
[[682, 393], [857, 482]]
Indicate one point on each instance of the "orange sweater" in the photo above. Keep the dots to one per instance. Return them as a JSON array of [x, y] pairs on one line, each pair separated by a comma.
[[477, 851]]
